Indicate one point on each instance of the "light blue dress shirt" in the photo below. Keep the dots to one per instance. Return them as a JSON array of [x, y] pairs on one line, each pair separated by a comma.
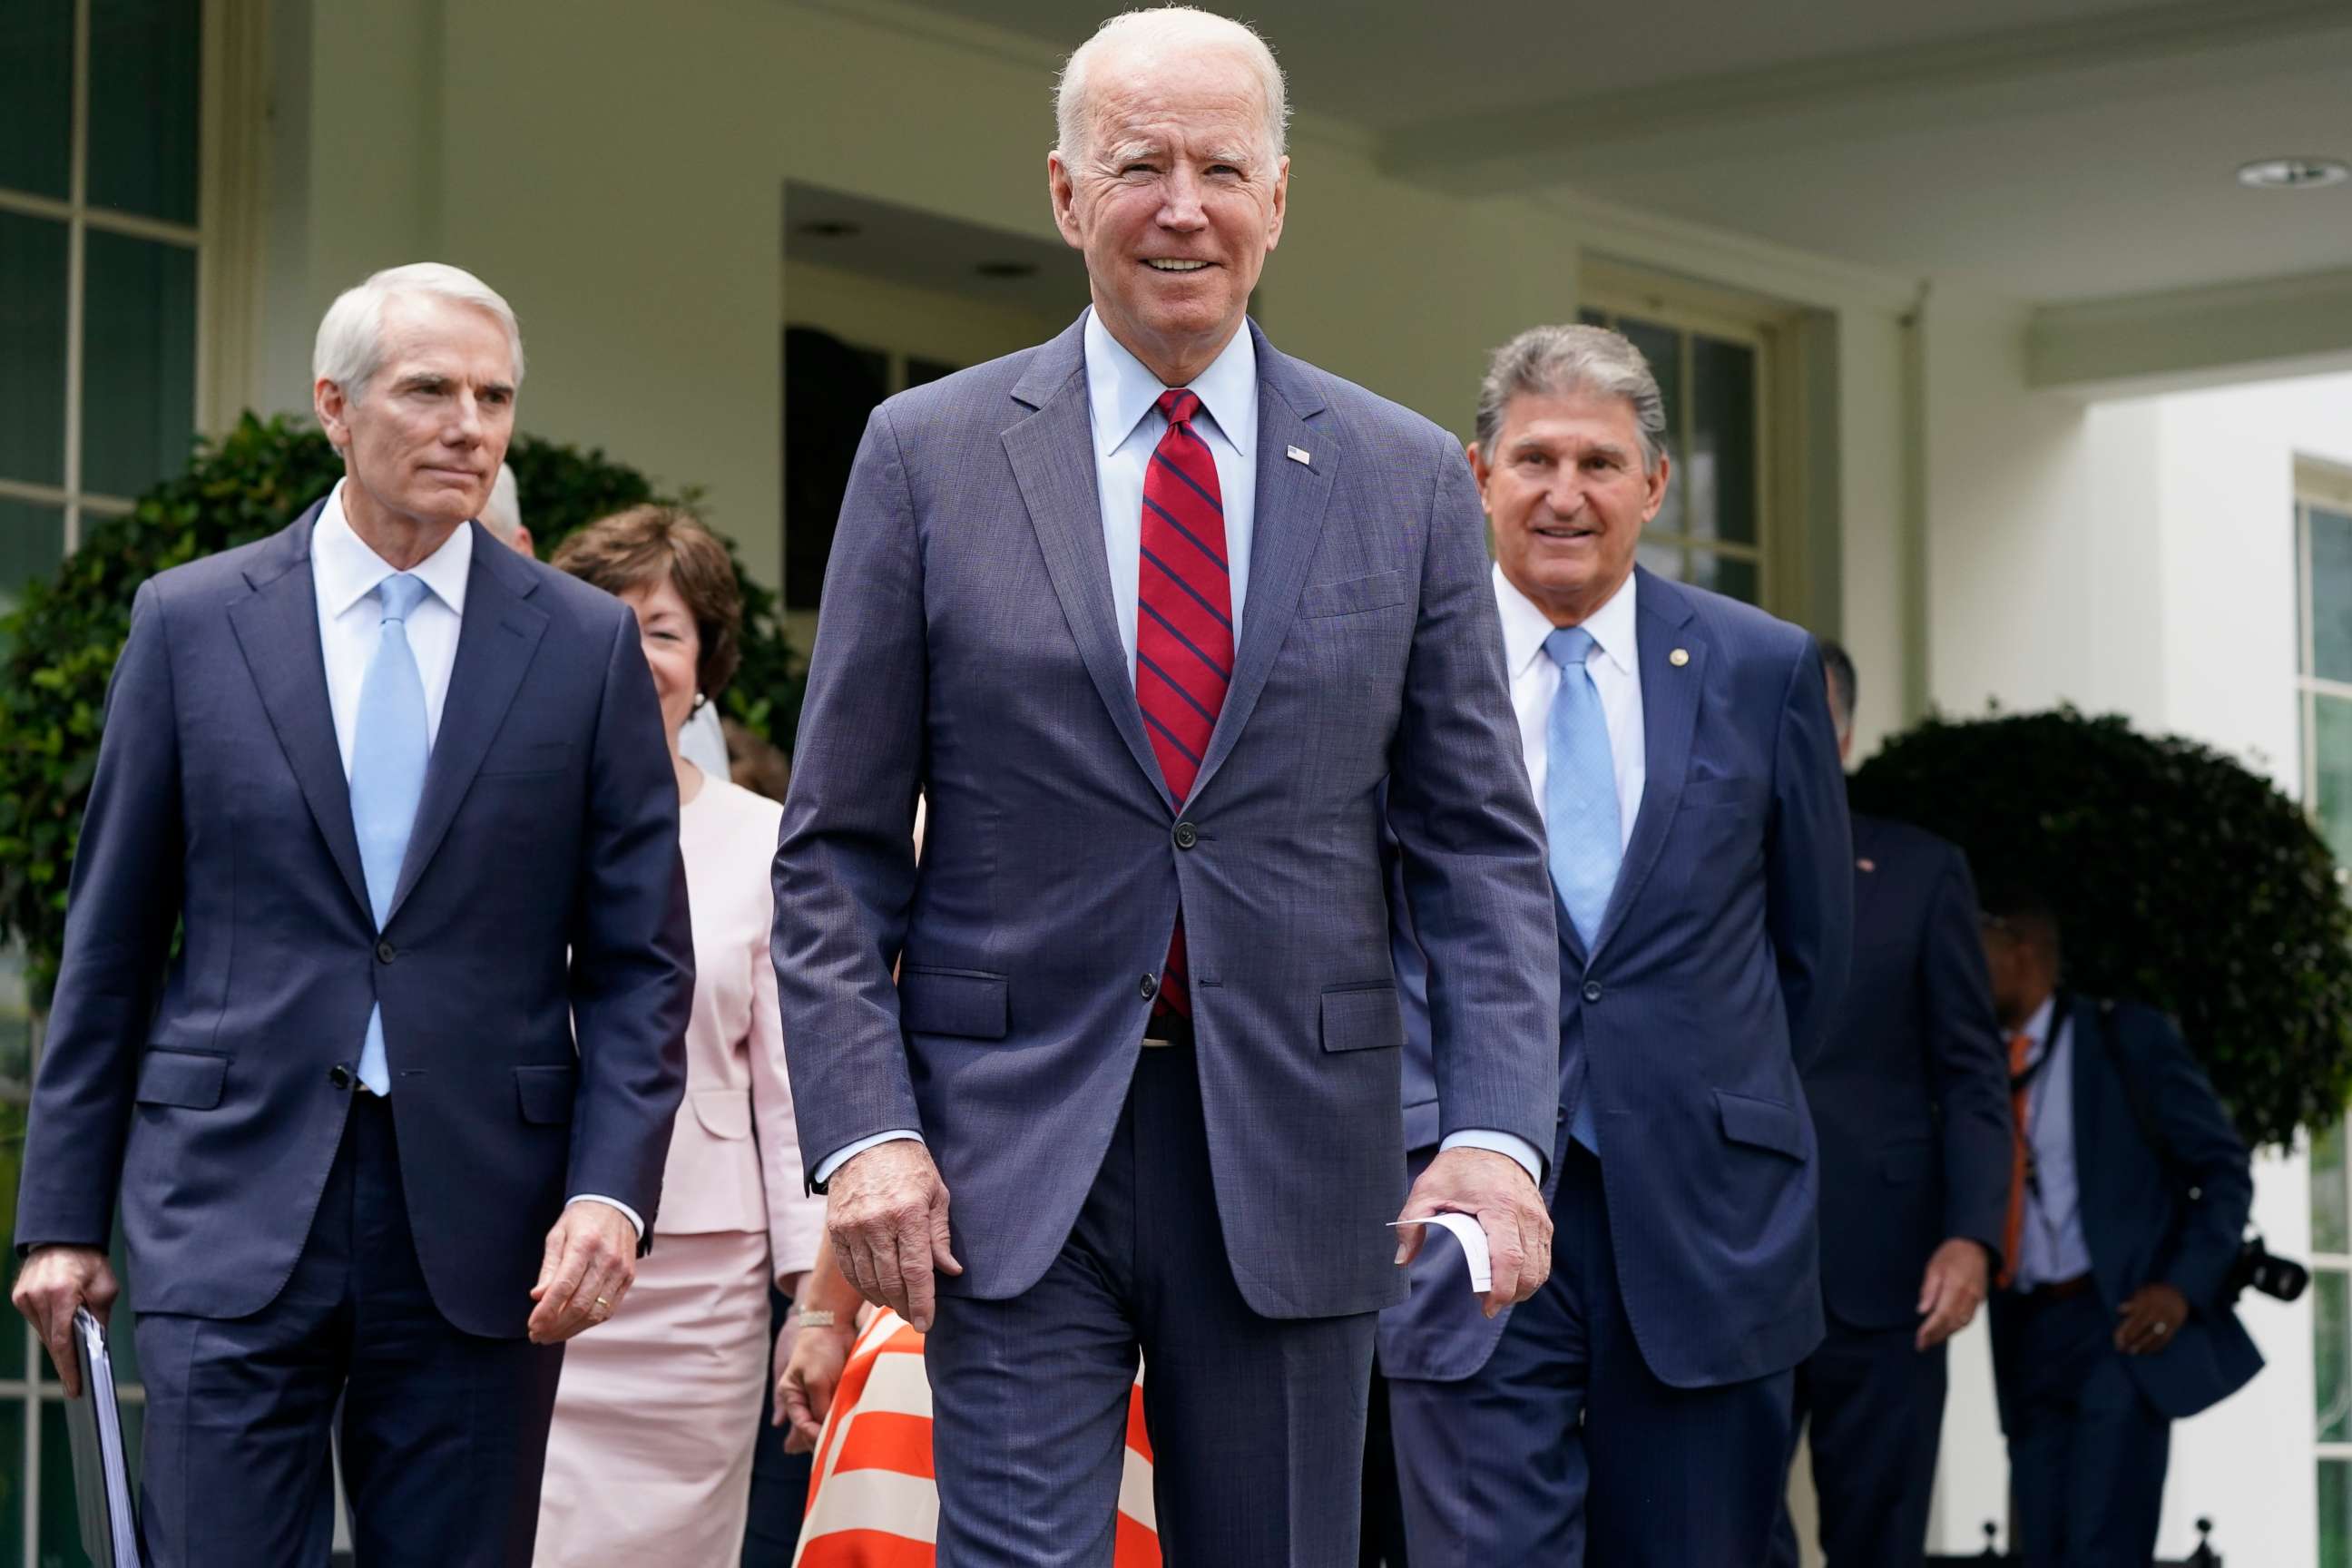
[[2052, 1248]]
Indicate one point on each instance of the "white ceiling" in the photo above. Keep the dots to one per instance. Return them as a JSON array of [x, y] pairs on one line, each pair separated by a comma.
[[2049, 150]]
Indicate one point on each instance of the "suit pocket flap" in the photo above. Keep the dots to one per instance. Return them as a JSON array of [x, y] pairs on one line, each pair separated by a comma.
[[1351, 595], [184, 1079], [724, 1112], [1362, 1020], [1761, 1123], [529, 757], [545, 1093], [967, 1002]]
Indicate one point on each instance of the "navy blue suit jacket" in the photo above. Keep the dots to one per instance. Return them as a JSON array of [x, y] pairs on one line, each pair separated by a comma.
[[968, 649], [2141, 1226], [1718, 963], [1910, 1087], [542, 892]]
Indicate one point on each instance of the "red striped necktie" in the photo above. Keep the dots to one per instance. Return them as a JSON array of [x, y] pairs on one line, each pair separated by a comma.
[[1184, 621]]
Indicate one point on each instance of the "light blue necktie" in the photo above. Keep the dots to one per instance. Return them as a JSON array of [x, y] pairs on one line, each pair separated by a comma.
[[1580, 809], [389, 748]]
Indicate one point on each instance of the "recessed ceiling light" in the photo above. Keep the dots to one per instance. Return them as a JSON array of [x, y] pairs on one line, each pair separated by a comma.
[[829, 228], [1006, 268], [2293, 173]]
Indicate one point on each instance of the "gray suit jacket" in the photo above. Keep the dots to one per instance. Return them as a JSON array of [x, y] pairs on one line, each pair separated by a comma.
[[967, 649]]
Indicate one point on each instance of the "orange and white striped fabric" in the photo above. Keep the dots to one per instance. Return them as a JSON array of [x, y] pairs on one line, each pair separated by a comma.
[[873, 1502]]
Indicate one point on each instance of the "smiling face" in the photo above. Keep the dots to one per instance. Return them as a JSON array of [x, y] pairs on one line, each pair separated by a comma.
[[1567, 498], [1175, 197], [673, 646], [423, 441]]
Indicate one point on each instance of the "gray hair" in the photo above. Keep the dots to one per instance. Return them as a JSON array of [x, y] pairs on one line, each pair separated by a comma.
[[1167, 26], [349, 346], [1845, 688], [1555, 361], [502, 513]]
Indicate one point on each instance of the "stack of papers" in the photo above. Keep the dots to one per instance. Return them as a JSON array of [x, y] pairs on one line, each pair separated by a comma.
[[109, 1519]]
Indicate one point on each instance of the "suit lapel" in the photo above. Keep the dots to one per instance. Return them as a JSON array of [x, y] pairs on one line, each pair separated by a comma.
[[1288, 529], [277, 629], [495, 639], [1052, 453], [1670, 698]]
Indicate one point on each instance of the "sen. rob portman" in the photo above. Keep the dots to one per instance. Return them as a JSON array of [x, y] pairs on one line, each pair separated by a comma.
[[404, 793], [1636, 1409]]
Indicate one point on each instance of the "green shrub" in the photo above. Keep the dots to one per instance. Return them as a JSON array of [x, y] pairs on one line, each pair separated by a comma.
[[2180, 879], [63, 639]]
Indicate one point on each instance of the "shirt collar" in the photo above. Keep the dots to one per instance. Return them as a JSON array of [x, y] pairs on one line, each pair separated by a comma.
[[2038, 1026], [1525, 626], [348, 570], [1121, 391]]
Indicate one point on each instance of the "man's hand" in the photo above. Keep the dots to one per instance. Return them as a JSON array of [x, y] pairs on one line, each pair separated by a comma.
[[886, 1215], [585, 1275], [1952, 1290], [2151, 1320], [55, 1280], [807, 1375], [1495, 1188]]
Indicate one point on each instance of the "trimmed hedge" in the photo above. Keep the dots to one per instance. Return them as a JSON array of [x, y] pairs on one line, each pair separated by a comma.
[[63, 640], [2180, 879]]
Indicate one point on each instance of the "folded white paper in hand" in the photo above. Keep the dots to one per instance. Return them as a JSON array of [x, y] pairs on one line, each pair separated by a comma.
[[1472, 1237]]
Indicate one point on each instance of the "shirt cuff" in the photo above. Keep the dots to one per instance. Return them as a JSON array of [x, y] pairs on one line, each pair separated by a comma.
[[840, 1157], [1510, 1144], [634, 1217]]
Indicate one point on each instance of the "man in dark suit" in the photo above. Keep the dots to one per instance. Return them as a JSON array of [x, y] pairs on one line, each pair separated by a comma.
[[1910, 1101], [1636, 1410], [404, 793], [1150, 614], [2114, 1317]]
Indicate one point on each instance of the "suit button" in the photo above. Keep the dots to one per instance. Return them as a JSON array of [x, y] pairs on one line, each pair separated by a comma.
[[1149, 988], [339, 1076], [385, 952], [1592, 991], [1187, 835]]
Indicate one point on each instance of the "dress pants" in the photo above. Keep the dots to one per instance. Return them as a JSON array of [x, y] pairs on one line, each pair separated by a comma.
[[2086, 1451], [442, 1434], [1564, 1449], [1877, 1407], [1256, 1424]]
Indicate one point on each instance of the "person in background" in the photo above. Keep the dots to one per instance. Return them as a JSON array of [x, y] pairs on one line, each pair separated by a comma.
[[502, 514], [650, 1458], [1910, 1100], [2114, 1318]]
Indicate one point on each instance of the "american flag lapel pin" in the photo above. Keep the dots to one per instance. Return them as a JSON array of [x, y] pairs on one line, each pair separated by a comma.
[[1296, 454], [1865, 864]]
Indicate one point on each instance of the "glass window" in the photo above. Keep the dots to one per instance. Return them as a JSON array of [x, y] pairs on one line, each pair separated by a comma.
[[37, 99], [139, 366], [2331, 1216], [32, 544], [2335, 1513], [1722, 440], [2328, 614], [2331, 1331], [33, 259], [143, 71], [2330, 743]]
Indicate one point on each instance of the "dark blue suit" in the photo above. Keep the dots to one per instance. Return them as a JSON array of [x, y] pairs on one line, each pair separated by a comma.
[[288, 1246], [1687, 1279], [1910, 1098], [2089, 1428]]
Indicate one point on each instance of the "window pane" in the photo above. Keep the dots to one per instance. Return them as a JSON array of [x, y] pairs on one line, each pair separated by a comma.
[[1665, 560], [2329, 1230], [2331, 594], [1723, 441], [60, 1520], [138, 375], [32, 349], [11, 1475], [2331, 748], [2335, 1513], [1592, 318], [1662, 347], [144, 68], [37, 96], [32, 543], [2331, 1342], [1725, 574]]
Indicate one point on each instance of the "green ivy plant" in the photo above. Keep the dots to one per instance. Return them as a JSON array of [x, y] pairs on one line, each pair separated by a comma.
[[63, 639], [2180, 879]]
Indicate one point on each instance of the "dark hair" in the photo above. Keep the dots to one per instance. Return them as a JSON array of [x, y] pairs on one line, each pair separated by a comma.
[[650, 545], [1845, 691], [2020, 911]]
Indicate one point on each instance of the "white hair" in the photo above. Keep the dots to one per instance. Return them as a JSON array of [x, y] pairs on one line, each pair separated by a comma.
[[349, 346], [1555, 361], [1167, 27], [502, 513]]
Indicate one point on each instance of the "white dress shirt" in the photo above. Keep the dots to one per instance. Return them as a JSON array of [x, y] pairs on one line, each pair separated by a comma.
[[345, 572], [1615, 666], [2051, 1247]]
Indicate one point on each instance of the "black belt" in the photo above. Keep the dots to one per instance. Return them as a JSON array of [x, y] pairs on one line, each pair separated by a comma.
[[1166, 1028], [2061, 1291]]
